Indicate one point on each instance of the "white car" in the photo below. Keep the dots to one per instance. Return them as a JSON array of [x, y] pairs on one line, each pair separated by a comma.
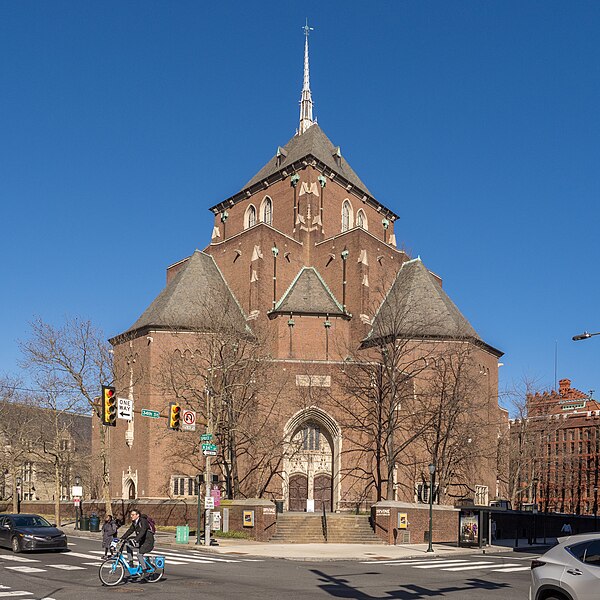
[[569, 571]]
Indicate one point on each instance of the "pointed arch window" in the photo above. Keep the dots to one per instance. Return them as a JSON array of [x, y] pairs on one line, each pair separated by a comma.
[[361, 219], [250, 217], [267, 211], [347, 216]]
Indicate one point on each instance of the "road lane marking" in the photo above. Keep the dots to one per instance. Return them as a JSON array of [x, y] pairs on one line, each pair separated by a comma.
[[17, 558], [471, 567], [26, 569]]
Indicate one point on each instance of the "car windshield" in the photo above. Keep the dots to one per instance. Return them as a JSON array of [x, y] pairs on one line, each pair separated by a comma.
[[30, 521]]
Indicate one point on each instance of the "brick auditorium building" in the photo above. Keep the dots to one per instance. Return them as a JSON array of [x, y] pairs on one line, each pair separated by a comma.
[[305, 258]]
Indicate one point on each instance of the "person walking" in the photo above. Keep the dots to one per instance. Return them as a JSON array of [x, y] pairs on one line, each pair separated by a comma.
[[143, 540], [109, 532]]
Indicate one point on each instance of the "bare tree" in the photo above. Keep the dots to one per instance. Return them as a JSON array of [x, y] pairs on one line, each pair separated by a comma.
[[77, 358]]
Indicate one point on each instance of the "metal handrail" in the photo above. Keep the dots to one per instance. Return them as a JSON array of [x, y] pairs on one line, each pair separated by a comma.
[[324, 522]]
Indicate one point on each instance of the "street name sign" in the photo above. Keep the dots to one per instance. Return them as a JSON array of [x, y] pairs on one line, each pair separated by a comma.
[[212, 447], [125, 409], [153, 414], [188, 420], [206, 437]]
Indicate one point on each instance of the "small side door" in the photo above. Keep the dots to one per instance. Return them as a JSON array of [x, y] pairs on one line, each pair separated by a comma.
[[4, 532], [581, 577]]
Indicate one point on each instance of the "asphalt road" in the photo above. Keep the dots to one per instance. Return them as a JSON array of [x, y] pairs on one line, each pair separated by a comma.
[[189, 574]]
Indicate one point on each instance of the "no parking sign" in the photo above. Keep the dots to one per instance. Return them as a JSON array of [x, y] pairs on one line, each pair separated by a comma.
[[188, 420]]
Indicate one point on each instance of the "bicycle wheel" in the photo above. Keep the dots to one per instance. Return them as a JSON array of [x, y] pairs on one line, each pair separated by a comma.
[[157, 574], [111, 572]]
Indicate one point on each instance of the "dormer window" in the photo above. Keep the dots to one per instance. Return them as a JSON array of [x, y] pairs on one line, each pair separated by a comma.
[[250, 217], [361, 219], [347, 216], [266, 211]]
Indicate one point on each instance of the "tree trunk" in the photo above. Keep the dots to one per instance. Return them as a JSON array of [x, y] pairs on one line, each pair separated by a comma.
[[16, 491]]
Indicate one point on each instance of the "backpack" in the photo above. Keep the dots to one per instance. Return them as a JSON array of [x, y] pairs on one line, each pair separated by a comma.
[[151, 524]]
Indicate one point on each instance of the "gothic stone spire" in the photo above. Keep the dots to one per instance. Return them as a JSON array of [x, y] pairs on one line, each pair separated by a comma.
[[306, 103]]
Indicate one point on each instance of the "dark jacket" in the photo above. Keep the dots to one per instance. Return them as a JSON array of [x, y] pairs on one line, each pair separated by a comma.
[[142, 534], [109, 531]]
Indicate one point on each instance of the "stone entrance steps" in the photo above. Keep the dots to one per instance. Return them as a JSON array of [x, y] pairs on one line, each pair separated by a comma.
[[306, 528]]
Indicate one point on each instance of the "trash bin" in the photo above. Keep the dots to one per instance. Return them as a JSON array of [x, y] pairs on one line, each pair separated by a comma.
[[84, 523], [279, 506], [94, 523], [182, 534]]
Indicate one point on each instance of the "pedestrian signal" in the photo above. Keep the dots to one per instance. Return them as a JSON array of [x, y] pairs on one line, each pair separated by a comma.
[[109, 406], [174, 416]]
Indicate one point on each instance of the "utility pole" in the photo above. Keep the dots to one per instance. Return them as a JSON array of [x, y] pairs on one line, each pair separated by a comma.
[[207, 474]]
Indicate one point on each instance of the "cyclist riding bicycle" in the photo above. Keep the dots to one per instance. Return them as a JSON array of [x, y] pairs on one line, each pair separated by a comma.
[[143, 542]]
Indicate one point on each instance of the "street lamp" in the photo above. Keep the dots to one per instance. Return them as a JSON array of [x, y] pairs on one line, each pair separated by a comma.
[[18, 481], [431, 474], [584, 336], [78, 513]]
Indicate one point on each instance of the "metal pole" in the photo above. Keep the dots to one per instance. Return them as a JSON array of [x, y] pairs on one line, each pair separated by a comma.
[[199, 511], [431, 472], [207, 482]]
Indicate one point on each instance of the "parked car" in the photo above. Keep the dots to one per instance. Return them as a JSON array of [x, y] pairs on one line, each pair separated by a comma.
[[569, 571], [30, 532]]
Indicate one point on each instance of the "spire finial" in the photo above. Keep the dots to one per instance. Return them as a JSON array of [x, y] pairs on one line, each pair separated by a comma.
[[306, 103]]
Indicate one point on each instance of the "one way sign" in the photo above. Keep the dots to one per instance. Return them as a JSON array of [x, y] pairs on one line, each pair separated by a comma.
[[125, 409]]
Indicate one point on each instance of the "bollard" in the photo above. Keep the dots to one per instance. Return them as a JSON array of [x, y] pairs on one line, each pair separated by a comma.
[[517, 538]]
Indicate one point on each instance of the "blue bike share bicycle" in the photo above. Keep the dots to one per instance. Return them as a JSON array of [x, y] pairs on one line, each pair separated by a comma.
[[115, 568]]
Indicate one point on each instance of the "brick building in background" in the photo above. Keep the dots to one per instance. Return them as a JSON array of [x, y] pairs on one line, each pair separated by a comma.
[[555, 452], [305, 259]]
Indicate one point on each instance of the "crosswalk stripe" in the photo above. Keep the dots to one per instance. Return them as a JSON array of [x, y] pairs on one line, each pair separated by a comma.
[[92, 564], [14, 594], [26, 569], [513, 570], [441, 564], [80, 555], [201, 558], [17, 558], [471, 567], [67, 567]]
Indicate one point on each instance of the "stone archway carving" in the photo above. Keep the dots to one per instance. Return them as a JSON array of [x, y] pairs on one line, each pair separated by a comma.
[[328, 467]]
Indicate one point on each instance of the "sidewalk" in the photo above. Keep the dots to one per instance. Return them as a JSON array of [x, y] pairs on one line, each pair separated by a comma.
[[309, 552]]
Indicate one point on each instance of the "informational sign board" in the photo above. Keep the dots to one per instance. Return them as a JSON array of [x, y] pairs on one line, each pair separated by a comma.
[[248, 518], [125, 409], [188, 420], [209, 502], [76, 501], [216, 521], [402, 520], [76, 491], [310, 505], [153, 414], [216, 494]]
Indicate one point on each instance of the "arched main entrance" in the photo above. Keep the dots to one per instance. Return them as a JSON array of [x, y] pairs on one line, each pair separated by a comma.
[[312, 461]]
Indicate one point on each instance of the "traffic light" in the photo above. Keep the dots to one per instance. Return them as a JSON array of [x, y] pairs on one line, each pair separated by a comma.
[[174, 416], [109, 406]]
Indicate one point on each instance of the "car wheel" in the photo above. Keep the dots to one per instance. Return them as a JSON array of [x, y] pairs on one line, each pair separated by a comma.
[[15, 545]]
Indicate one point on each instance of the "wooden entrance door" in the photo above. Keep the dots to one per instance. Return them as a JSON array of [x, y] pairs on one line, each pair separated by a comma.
[[323, 492], [298, 492]]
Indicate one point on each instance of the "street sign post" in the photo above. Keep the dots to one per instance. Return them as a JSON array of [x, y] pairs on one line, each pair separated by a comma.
[[125, 409], [153, 414], [188, 420]]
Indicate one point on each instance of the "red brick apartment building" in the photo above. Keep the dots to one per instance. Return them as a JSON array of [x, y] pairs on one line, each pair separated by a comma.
[[555, 452], [307, 260]]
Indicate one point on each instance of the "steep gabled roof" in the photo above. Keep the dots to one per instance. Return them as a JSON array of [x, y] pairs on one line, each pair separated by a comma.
[[309, 295], [196, 299], [313, 142], [416, 307]]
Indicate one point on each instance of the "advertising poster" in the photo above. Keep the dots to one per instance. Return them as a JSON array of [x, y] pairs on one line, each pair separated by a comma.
[[469, 527]]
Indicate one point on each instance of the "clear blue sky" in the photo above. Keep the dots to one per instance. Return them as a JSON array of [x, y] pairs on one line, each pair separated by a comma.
[[478, 122]]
